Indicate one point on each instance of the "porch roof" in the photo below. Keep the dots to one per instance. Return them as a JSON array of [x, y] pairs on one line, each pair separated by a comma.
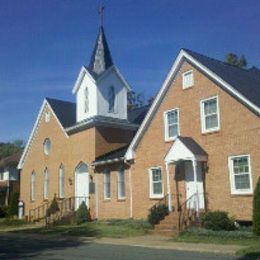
[[185, 148]]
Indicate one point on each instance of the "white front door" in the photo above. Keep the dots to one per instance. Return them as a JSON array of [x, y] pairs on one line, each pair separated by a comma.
[[81, 185], [191, 196]]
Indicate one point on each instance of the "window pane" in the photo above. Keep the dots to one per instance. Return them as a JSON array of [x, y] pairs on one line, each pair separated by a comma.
[[242, 181], [173, 130], [210, 107], [172, 117], [157, 175], [240, 165], [121, 184], [157, 188], [211, 121], [107, 184]]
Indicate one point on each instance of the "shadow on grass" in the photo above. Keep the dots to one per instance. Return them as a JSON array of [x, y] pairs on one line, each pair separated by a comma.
[[252, 255]]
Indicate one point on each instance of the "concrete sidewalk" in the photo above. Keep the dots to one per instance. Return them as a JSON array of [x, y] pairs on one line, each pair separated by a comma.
[[161, 242]]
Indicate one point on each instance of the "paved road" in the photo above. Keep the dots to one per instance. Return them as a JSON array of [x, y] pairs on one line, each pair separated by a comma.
[[34, 247]]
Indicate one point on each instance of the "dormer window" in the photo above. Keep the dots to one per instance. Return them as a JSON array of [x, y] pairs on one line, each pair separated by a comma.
[[187, 79], [86, 101], [111, 100]]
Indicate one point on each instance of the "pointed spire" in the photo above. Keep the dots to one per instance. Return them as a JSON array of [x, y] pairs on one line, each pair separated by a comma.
[[101, 58]]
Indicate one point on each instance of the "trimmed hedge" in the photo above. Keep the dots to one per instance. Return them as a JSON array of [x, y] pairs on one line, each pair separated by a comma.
[[218, 220], [157, 213], [256, 209]]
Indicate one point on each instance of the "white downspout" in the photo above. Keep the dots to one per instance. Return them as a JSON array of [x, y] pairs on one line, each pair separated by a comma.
[[130, 189], [168, 187]]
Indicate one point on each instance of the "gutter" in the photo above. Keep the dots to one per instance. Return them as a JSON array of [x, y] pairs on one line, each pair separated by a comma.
[[98, 163]]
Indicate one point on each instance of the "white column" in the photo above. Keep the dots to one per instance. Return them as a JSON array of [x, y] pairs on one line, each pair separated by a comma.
[[194, 164], [168, 187], [130, 192], [97, 197]]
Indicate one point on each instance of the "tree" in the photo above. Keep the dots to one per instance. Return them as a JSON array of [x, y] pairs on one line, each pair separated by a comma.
[[135, 100], [233, 59], [7, 149], [12, 209], [256, 209]]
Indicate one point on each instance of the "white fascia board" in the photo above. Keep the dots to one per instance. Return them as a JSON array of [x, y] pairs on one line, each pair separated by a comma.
[[80, 77], [182, 54], [137, 137], [34, 130], [118, 73]]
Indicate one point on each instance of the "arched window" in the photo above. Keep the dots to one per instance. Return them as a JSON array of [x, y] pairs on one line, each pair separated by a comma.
[[46, 185], [61, 182], [86, 101], [33, 185], [121, 183], [47, 146], [111, 100]]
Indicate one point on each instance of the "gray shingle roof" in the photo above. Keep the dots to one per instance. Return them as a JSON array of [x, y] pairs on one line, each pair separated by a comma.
[[101, 58], [64, 110], [245, 81], [118, 153], [192, 145]]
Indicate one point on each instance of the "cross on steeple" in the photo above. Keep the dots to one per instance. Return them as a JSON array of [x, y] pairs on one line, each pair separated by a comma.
[[101, 14]]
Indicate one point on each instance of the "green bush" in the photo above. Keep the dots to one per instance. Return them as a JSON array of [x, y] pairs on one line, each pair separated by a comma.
[[12, 209], [54, 207], [82, 213], [157, 213], [218, 220], [3, 211], [256, 209]]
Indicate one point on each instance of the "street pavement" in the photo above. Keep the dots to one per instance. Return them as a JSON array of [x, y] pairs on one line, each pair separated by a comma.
[[24, 246]]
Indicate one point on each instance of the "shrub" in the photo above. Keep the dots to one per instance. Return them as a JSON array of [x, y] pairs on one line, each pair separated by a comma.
[[54, 207], [3, 211], [82, 213], [256, 209], [157, 213], [12, 209], [218, 220]]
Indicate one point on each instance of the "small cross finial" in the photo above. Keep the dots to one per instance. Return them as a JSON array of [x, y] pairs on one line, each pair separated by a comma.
[[101, 14]]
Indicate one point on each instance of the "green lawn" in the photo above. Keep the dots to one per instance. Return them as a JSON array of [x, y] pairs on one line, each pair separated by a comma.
[[109, 228], [6, 223], [238, 237]]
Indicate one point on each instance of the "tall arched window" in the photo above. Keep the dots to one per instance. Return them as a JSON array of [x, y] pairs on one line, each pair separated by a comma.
[[86, 101], [111, 100], [61, 182], [46, 184], [33, 185]]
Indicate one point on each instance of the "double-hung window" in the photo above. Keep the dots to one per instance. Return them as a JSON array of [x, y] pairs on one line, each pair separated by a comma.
[[156, 182], [187, 79], [121, 184], [106, 184], [210, 115], [171, 123], [240, 174]]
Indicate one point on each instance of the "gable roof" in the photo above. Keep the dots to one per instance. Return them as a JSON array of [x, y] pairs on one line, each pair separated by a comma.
[[101, 58], [111, 157], [246, 81], [221, 73], [64, 110]]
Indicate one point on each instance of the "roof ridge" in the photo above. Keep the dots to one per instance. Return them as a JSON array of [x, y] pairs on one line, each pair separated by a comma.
[[60, 100], [217, 60]]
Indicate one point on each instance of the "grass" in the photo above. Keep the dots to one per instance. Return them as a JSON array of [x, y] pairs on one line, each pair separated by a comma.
[[6, 223], [243, 237], [108, 228]]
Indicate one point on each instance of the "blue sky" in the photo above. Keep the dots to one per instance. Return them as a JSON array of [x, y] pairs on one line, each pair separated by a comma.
[[44, 43]]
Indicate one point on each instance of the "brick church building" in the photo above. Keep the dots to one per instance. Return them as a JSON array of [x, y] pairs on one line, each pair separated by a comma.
[[197, 145]]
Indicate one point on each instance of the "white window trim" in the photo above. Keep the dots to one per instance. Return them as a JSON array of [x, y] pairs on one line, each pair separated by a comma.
[[118, 195], [202, 116], [152, 195], [47, 116], [46, 184], [47, 149], [183, 76], [234, 191], [166, 128], [115, 101], [33, 186], [105, 173], [61, 188]]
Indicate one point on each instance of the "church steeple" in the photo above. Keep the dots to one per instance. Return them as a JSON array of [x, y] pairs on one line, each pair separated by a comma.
[[101, 58]]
